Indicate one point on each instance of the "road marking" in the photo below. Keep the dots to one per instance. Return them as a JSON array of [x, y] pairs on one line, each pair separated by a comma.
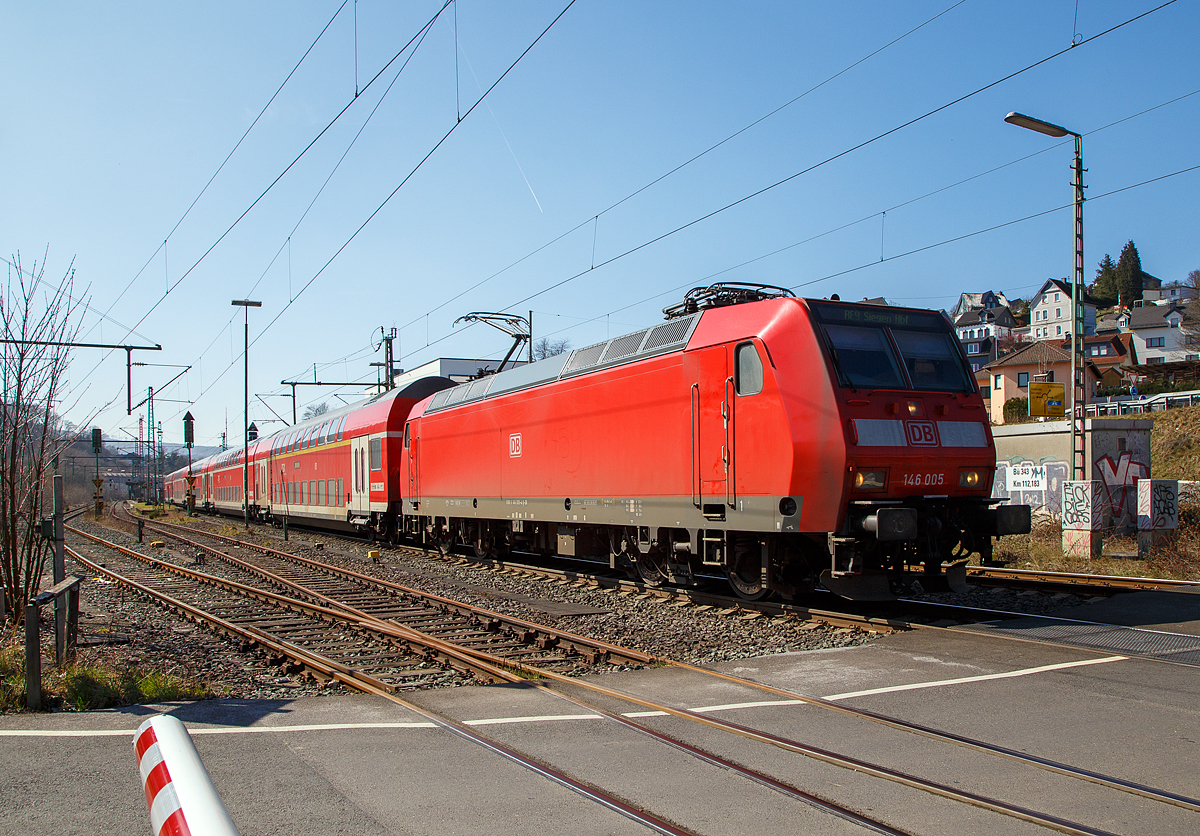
[[543, 718], [982, 678]]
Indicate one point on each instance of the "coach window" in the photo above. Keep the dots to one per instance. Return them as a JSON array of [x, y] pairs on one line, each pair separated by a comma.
[[376, 453], [749, 370], [320, 438], [320, 492]]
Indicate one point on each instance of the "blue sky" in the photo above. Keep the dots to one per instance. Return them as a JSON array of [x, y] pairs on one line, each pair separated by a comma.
[[116, 116]]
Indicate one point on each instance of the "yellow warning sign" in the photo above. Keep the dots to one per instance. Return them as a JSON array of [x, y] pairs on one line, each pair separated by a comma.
[[1047, 400]]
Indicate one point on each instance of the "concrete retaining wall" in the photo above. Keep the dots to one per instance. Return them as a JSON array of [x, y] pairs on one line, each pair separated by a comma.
[[1118, 455]]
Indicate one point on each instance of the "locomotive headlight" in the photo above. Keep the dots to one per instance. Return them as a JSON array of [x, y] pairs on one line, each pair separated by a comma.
[[971, 478], [870, 480]]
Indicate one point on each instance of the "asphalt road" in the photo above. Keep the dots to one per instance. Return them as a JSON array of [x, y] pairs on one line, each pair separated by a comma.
[[362, 765]]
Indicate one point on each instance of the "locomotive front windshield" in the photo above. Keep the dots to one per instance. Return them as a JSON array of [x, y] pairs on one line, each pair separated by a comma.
[[892, 349]]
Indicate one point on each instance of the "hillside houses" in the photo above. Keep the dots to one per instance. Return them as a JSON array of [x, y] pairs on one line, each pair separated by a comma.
[[1118, 344], [1156, 332]]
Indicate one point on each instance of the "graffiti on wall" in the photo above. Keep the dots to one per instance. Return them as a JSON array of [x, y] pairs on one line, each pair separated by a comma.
[[1118, 492], [1048, 500], [1081, 510], [1158, 504], [1120, 480]]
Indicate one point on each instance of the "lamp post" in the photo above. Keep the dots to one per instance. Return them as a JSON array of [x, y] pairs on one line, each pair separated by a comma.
[[1078, 383], [247, 305]]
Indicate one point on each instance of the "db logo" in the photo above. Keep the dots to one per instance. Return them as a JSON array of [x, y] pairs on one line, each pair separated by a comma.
[[514, 445], [921, 433]]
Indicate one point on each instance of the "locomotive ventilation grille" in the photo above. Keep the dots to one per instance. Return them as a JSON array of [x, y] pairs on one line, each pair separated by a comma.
[[661, 339]]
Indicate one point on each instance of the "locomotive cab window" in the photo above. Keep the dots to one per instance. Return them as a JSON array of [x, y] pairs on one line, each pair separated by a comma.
[[932, 360], [376, 445], [406, 436], [889, 348], [749, 370], [864, 358]]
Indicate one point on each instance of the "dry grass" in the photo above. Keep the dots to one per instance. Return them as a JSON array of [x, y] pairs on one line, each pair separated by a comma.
[[1174, 454], [1175, 444], [1042, 550], [89, 685]]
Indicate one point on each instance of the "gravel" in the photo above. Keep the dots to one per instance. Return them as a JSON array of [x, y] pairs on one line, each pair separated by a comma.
[[151, 638]]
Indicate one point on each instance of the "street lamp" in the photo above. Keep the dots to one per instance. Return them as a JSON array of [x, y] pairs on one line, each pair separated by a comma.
[[247, 304], [1078, 383]]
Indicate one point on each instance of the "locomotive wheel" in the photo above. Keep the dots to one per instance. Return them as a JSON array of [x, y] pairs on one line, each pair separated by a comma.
[[652, 567], [745, 576], [485, 546]]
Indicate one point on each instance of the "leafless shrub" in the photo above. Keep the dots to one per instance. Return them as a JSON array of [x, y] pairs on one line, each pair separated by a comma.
[[37, 317]]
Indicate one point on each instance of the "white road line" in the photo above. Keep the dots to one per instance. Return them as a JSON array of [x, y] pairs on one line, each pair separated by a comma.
[[983, 678], [544, 718]]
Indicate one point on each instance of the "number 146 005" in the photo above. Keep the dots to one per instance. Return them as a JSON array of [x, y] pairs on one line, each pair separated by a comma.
[[924, 480]]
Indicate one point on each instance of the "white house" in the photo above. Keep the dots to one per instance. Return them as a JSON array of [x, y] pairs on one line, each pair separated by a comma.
[[1157, 335], [1050, 312]]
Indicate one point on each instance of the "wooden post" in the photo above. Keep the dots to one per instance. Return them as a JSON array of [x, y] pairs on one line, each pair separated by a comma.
[[33, 659], [60, 572]]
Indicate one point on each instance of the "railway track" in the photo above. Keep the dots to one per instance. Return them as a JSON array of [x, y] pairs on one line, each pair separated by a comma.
[[545, 676], [1071, 581], [1160, 646]]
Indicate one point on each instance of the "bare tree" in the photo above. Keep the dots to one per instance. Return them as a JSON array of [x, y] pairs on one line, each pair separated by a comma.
[[1191, 312], [313, 410], [32, 312], [546, 347]]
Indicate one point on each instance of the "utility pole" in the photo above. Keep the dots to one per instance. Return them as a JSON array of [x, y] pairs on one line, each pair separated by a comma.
[[96, 442], [246, 305]]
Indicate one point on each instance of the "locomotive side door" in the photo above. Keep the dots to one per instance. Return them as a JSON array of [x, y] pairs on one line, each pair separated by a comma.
[[360, 481], [710, 423]]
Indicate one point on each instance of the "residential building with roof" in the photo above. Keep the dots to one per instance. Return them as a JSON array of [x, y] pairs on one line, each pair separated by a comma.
[[1112, 354], [980, 332], [1050, 311], [978, 301], [1040, 361], [1174, 292], [1157, 335]]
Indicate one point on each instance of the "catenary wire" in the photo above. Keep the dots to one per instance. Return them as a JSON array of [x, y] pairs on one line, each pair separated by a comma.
[[876, 214], [228, 156], [681, 166], [832, 158], [396, 190]]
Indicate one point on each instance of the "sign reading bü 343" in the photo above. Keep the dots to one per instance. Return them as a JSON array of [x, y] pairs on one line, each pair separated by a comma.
[[1026, 477]]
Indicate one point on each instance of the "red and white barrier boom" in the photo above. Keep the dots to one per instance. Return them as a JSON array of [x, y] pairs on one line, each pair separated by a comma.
[[182, 798]]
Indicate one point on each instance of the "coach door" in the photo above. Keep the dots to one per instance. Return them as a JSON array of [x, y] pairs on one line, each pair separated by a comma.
[[360, 477], [410, 447], [711, 456]]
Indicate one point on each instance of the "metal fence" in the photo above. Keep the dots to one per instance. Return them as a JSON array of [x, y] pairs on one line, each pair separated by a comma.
[[1132, 405]]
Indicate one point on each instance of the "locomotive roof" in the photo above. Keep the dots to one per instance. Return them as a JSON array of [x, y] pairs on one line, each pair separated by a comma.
[[664, 338]]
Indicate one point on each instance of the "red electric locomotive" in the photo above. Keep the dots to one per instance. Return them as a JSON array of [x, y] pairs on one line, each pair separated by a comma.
[[770, 439]]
